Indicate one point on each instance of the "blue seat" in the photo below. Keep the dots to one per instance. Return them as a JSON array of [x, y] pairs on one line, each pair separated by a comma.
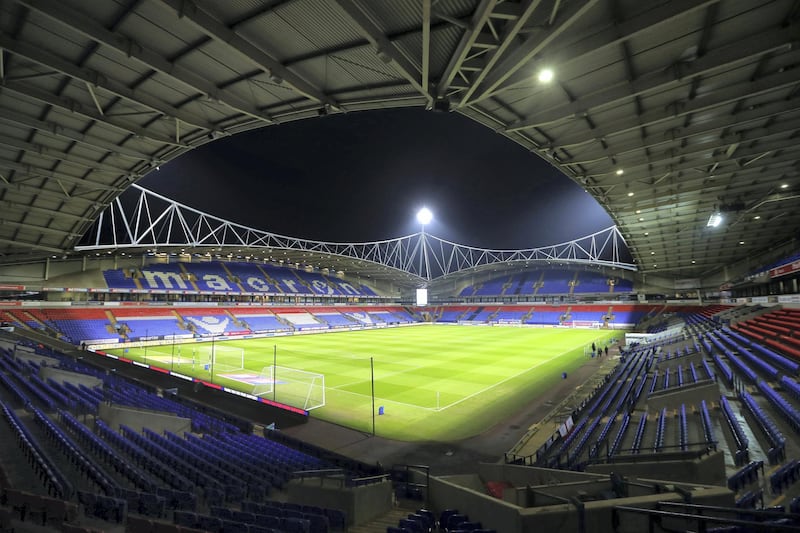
[[209, 523], [184, 518], [232, 526]]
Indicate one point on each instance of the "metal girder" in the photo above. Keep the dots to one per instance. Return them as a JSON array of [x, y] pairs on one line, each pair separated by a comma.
[[56, 130], [426, 43], [719, 159], [27, 245], [19, 207], [95, 31], [735, 52], [72, 106], [46, 173], [459, 56], [39, 229], [735, 121], [101, 81], [46, 193], [723, 96], [384, 47], [188, 10], [668, 154], [509, 35], [153, 220], [520, 55], [569, 54], [57, 155]]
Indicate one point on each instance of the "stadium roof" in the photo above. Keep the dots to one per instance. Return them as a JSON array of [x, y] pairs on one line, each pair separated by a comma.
[[665, 111]]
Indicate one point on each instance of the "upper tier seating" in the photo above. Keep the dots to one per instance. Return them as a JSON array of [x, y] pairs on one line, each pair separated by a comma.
[[233, 278]]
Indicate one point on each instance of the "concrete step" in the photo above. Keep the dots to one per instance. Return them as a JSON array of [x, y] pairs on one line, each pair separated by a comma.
[[380, 524]]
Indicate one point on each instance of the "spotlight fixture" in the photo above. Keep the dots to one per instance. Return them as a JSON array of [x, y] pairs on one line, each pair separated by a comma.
[[620, 172], [424, 216], [546, 75], [714, 220]]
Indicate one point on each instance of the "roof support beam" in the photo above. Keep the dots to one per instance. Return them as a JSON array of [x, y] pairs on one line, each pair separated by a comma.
[[722, 96], [523, 53], [512, 29], [426, 43], [613, 36], [737, 52], [99, 80], [52, 129], [39, 229], [218, 31], [27, 245], [385, 48], [95, 31], [738, 120], [479, 18], [43, 173], [46, 193], [58, 155], [71, 106], [20, 207]]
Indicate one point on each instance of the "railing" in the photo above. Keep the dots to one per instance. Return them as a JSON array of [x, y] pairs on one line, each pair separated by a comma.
[[699, 521]]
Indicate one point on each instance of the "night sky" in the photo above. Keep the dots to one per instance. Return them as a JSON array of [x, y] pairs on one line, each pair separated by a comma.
[[363, 176]]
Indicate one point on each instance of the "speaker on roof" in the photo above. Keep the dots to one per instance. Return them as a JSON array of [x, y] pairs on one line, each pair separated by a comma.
[[441, 105]]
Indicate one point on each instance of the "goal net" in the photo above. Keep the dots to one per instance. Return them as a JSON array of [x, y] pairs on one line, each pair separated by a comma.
[[292, 386], [219, 357]]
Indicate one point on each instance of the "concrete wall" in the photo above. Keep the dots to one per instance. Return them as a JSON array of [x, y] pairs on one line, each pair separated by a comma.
[[540, 487], [494, 513], [137, 419], [360, 504], [519, 476], [688, 395], [708, 470], [63, 376]]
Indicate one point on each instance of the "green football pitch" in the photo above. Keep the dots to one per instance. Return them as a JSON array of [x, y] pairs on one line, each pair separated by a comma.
[[431, 382]]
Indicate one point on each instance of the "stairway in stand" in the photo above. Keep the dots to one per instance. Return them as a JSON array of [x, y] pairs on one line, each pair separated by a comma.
[[380, 524]]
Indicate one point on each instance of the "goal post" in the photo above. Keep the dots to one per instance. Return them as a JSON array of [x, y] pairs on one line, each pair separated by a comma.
[[292, 386], [214, 355]]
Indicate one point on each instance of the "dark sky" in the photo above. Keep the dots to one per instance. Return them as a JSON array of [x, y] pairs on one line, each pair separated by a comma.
[[363, 176]]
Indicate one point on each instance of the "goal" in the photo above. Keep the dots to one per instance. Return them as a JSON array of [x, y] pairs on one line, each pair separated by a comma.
[[292, 386], [219, 357]]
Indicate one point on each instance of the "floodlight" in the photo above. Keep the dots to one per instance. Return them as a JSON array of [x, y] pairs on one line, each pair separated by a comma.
[[424, 216], [714, 220], [546, 75]]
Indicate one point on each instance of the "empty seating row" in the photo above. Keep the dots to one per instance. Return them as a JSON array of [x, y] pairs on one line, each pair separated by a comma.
[[336, 518], [84, 464], [708, 428], [54, 480], [637, 439], [785, 476], [143, 459], [741, 441], [747, 475], [626, 419], [660, 429], [777, 441], [262, 524], [684, 429]]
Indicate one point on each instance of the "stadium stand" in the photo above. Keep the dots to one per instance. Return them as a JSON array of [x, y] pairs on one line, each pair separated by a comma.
[[233, 278]]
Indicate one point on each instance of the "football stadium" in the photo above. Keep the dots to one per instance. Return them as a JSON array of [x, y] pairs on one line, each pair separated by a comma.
[[164, 368]]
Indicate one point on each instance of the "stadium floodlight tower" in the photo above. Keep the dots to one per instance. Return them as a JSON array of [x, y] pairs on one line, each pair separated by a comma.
[[424, 217]]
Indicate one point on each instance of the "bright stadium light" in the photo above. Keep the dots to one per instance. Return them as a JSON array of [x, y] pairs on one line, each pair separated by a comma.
[[546, 75], [424, 216], [714, 220]]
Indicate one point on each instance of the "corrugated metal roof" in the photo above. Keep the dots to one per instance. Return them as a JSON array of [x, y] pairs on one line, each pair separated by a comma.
[[696, 102]]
